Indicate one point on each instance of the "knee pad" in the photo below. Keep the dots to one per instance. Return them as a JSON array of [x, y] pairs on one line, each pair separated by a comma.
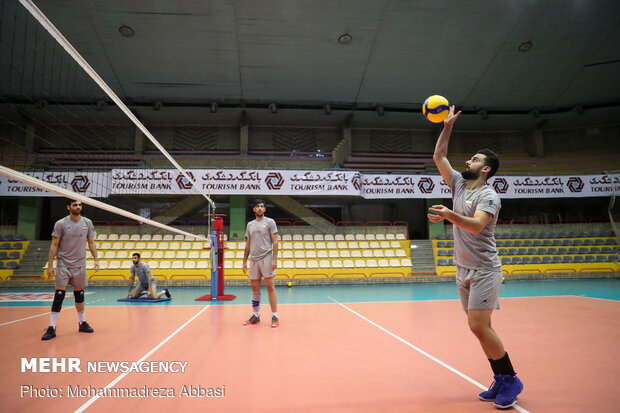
[[79, 296], [59, 296]]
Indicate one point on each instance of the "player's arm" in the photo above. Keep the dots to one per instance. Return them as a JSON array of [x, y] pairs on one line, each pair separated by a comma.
[[473, 224], [51, 256], [274, 241], [93, 250], [246, 254], [441, 147]]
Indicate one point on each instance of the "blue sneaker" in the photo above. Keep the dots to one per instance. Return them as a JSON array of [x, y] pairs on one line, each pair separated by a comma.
[[507, 395], [491, 394]]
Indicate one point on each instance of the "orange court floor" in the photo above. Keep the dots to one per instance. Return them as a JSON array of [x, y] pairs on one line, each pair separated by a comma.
[[398, 348]]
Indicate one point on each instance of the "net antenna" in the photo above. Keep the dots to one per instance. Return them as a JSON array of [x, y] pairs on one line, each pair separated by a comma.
[[53, 31]]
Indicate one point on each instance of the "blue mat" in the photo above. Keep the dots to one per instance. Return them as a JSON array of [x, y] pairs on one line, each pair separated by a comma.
[[144, 300]]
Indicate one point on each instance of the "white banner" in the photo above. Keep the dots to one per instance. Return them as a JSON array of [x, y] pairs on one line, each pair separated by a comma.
[[287, 182], [236, 181], [90, 184]]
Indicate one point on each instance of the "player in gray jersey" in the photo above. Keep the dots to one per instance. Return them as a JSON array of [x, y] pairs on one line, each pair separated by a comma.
[[147, 283], [479, 270], [262, 248], [70, 236]]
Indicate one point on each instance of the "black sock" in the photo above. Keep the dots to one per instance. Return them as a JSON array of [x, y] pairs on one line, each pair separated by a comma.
[[504, 366], [494, 367]]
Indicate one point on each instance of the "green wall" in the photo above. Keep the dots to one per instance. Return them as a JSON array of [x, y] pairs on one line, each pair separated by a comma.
[[238, 209]]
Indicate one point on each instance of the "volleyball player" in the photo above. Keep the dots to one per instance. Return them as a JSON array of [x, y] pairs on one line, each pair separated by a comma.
[[68, 239], [146, 280], [262, 248], [478, 268]]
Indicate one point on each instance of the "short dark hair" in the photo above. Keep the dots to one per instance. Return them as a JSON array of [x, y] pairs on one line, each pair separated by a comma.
[[257, 201], [70, 201], [491, 160], [136, 254]]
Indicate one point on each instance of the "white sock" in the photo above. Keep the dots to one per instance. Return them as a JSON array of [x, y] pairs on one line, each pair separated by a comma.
[[53, 318], [275, 314], [256, 314], [81, 316]]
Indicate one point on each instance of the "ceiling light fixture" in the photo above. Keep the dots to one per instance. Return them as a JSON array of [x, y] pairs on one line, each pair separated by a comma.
[[345, 39], [483, 114], [157, 105], [380, 110], [526, 46], [213, 107], [327, 109], [126, 31], [273, 108]]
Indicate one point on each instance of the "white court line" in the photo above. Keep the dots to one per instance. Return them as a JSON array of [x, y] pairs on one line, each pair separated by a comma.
[[147, 355], [419, 350], [22, 319]]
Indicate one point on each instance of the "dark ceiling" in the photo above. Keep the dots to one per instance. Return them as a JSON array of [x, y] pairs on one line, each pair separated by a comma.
[[247, 54]]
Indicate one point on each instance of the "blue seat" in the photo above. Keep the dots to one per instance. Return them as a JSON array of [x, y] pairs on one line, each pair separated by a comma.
[[451, 253], [502, 251], [531, 235], [562, 251], [527, 243], [594, 250], [543, 235], [582, 235], [515, 235], [547, 243], [610, 241], [588, 242], [562, 235], [597, 241], [499, 235], [573, 250], [536, 260], [441, 244], [604, 250], [11, 265], [557, 242], [449, 236], [605, 233], [506, 260], [20, 237], [14, 255], [518, 243], [508, 243], [450, 244], [556, 259], [583, 250], [512, 251], [577, 242], [17, 246], [567, 242], [3, 255], [552, 251], [499, 243], [526, 260], [451, 261], [1, 265], [553, 235], [578, 259], [537, 243], [8, 237], [7, 245], [613, 258], [522, 251], [572, 234], [516, 260], [442, 262], [567, 259], [532, 251], [590, 258], [541, 251], [442, 253], [546, 259], [442, 236], [601, 258]]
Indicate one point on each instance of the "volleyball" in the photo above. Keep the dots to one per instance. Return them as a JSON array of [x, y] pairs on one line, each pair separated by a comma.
[[290, 284], [436, 108]]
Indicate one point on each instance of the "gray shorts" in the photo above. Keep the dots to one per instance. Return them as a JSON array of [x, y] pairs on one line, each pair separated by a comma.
[[145, 287], [262, 267], [479, 289], [74, 276]]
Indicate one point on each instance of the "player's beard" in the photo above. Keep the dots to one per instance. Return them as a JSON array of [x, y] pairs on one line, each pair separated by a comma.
[[259, 214], [75, 214], [470, 175]]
